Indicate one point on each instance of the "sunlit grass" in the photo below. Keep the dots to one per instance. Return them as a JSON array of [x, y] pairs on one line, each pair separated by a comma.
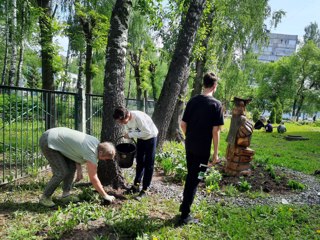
[[273, 148], [21, 217]]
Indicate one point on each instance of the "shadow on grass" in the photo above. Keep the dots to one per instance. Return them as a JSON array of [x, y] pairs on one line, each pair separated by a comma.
[[8, 207], [129, 228]]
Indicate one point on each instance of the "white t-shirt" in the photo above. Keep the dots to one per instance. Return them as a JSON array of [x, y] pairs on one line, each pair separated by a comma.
[[77, 146], [141, 126]]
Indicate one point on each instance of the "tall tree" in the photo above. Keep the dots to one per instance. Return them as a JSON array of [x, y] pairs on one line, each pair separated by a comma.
[[312, 32], [109, 171], [5, 58], [178, 67], [47, 51], [13, 43]]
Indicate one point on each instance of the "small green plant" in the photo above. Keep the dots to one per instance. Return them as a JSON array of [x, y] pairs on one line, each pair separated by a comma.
[[231, 191], [212, 179], [244, 185], [180, 173], [88, 195], [172, 160], [295, 185], [269, 168]]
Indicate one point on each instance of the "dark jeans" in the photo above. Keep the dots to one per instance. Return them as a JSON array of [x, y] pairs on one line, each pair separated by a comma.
[[146, 151], [192, 181]]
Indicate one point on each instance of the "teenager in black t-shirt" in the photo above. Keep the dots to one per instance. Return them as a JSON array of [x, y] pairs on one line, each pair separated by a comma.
[[201, 123]]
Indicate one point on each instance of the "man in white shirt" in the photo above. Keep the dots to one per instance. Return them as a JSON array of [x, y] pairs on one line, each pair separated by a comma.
[[140, 125]]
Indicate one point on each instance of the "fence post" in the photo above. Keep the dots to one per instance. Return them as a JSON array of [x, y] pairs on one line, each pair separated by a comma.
[[80, 108]]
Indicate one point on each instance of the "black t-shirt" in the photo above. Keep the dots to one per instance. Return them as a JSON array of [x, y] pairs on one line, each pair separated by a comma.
[[202, 113]]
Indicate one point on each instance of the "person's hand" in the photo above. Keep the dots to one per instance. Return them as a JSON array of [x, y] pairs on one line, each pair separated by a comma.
[[79, 176], [126, 135], [215, 160], [108, 199]]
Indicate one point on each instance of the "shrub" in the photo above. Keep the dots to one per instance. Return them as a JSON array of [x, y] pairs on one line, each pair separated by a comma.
[[272, 117], [255, 115], [172, 160], [296, 185]]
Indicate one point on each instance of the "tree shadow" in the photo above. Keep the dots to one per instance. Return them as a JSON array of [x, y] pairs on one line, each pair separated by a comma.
[[129, 228], [9, 207]]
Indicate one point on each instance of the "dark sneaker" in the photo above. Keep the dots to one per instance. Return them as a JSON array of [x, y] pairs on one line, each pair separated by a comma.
[[132, 190], [187, 220], [141, 195]]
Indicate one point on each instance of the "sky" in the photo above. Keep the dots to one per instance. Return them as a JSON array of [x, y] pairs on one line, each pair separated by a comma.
[[299, 14]]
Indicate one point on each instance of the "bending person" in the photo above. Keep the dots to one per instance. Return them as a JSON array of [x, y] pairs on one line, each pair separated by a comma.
[[65, 149]]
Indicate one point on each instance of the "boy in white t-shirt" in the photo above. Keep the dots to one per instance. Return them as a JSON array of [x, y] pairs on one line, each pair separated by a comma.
[[140, 125]]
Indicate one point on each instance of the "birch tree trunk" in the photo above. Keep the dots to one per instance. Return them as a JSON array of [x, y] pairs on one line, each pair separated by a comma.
[[13, 33], [5, 58]]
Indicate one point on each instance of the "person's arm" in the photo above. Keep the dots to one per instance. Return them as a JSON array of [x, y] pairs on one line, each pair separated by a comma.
[[79, 172], [183, 126], [92, 172], [216, 140]]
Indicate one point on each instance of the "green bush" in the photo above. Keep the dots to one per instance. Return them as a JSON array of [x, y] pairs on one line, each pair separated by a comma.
[[255, 115], [272, 117], [172, 160], [16, 107]]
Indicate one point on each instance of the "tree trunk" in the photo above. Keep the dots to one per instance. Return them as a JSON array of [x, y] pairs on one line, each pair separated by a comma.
[[66, 69], [109, 171], [129, 87], [294, 106], [87, 27], [45, 23], [20, 64], [197, 83], [5, 58], [135, 63], [80, 71], [152, 70], [13, 40], [201, 63], [177, 69], [301, 100], [174, 132]]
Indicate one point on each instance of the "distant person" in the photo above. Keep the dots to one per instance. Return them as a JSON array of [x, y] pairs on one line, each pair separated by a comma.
[[201, 124], [64, 148], [259, 124], [314, 118], [269, 127], [281, 128], [140, 125]]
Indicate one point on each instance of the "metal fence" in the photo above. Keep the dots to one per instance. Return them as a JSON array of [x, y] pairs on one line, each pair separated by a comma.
[[27, 113]]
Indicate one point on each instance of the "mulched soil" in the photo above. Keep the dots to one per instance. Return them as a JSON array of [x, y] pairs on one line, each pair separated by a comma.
[[260, 179]]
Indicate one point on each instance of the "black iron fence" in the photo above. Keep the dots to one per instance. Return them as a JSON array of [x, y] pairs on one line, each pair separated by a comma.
[[27, 113]]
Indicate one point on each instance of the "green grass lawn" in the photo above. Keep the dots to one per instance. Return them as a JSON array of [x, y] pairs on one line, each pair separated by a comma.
[[21, 217], [303, 156]]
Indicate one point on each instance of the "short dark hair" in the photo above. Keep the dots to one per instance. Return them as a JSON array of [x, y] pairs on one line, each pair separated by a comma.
[[120, 113], [209, 79]]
